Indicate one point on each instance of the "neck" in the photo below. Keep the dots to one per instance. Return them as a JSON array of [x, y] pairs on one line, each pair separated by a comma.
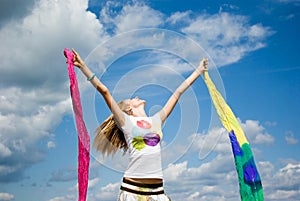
[[139, 112]]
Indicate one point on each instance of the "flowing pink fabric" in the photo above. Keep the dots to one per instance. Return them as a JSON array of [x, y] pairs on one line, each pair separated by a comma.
[[83, 136]]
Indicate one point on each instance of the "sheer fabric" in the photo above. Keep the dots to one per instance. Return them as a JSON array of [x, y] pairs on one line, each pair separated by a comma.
[[83, 136]]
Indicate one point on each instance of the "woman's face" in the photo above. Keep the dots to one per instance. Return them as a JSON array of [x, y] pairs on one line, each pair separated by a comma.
[[136, 102]]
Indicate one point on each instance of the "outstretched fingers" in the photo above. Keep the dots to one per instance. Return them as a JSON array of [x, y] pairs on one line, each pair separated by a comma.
[[77, 59]]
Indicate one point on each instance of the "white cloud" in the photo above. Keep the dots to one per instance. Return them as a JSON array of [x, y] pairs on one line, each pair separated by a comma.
[[193, 196], [64, 198], [107, 193], [178, 17], [282, 184], [256, 133], [227, 37], [284, 195], [289, 177], [173, 171], [213, 181], [137, 16], [215, 178], [34, 83], [224, 36], [216, 140], [266, 169], [51, 145], [290, 138], [34, 126], [4, 151], [6, 197], [210, 180], [125, 16], [91, 184]]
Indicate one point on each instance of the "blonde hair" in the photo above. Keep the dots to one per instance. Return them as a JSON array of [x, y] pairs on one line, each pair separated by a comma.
[[108, 136]]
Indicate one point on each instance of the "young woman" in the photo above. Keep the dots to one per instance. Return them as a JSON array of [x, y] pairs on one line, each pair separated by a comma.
[[129, 128]]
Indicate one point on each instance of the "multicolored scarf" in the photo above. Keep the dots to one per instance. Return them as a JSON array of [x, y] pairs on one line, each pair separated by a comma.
[[249, 179], [83, 136]]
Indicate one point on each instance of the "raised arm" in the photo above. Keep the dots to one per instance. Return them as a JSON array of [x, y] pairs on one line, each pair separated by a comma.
[[169, 106], [103, 90]]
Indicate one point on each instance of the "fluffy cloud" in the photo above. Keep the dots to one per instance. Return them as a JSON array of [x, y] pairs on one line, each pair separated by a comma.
[[4, 151], [290, 138], [137, 16], [214, 182], [211, 181], [282, 184], [215, 178], [6, 197], [92, 184], [226, 37], [132, 15], [34, 92], [173, 171], [256, 133], [51, 145], [216, 140], [288, 177], [107, 193], [178, 17], [64, 198]]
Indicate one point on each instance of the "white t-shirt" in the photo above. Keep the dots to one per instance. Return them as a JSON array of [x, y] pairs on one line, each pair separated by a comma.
[[143, 136]]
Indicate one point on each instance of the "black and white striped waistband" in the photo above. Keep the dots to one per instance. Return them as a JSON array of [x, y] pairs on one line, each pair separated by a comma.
[[142, 188]]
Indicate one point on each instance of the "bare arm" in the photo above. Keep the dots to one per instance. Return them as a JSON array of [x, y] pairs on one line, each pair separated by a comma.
[[102, 89], [169, 106]]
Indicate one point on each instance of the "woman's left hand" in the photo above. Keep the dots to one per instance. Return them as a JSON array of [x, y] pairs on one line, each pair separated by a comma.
[[77, 60]]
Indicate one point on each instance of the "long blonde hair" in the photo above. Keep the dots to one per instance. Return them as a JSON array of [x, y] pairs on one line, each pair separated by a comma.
[[108, 136]]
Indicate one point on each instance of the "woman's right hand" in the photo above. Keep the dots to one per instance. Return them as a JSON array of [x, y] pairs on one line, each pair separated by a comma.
[[77, 61]]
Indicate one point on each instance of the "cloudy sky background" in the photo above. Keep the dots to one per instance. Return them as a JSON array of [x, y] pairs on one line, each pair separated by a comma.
[[253, 49]]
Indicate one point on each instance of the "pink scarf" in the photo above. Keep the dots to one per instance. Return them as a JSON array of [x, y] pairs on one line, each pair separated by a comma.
[[83, 136]]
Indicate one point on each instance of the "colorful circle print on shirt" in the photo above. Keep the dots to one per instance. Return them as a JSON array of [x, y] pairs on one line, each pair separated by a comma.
[[143, 124], [148, 137]]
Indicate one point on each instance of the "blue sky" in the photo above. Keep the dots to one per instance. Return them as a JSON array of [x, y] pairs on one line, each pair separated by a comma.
[[147, 48]]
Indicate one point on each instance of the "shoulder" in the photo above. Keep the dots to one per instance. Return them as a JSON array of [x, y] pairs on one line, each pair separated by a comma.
[[126, 120]]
